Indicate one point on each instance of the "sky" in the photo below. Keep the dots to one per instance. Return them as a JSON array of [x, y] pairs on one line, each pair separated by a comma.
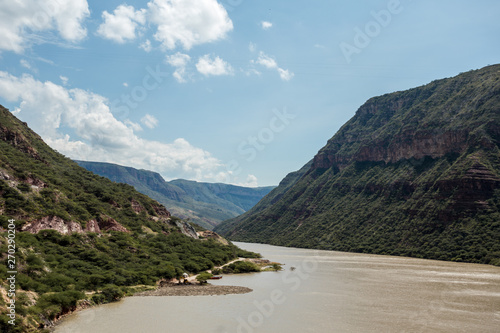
[[233, 91]]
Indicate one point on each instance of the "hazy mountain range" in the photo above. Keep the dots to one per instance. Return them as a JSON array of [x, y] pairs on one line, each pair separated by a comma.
[[206, 204]]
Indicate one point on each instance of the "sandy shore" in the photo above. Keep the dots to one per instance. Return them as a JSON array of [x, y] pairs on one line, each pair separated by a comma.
[[195, 290]]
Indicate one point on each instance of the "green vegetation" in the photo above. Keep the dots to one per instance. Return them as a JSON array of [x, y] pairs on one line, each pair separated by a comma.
[[203, 277], [240, 267], [413, 173], [59, 271]]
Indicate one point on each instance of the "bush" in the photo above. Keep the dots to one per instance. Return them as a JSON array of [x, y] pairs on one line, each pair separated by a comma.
[[112, 293], [241, 267]]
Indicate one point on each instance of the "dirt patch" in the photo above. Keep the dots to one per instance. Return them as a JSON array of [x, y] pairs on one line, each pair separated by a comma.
[[195, 290]]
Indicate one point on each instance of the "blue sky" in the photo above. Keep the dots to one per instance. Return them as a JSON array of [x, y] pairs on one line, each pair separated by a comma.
[[235, 91]]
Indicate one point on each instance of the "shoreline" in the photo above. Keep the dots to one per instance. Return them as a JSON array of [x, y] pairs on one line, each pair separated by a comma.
[[195, 290]]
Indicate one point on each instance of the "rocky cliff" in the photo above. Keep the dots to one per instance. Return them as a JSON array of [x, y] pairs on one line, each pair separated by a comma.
[[415, 173]]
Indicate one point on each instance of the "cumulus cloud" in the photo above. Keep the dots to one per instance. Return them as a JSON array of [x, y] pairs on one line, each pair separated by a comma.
[[121, 26], [149, 121], [266, 25], [188, 22], [266, 61], [146, 46], [179, 61], [20, 19], [251, 181], [270, 63], [285, 74], [213, 66], [79, 124]]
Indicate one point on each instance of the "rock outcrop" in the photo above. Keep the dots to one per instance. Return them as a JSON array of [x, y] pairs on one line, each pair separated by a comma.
[[107, 223], [53, 223], [187, 229], [103, 223], [207, 234]]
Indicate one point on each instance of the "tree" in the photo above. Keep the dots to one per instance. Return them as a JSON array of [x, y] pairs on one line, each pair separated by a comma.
[[203, 277]]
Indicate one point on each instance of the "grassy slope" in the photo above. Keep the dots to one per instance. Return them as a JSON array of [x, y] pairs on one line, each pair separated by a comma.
[[55, 270]]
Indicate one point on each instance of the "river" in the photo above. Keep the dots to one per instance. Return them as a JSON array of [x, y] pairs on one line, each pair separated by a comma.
[[326, 292]]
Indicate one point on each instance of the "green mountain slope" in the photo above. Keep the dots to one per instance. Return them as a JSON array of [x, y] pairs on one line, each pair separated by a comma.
[[414, 173], [267, 201], [77, 239], [205, 204]]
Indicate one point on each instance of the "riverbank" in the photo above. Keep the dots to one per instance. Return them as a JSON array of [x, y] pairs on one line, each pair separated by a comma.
[[195, 290]]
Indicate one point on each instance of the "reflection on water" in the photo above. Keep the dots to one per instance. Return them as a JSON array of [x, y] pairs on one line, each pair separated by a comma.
[[327, 292]]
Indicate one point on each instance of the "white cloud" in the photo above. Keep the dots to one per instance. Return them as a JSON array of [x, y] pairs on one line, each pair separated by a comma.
[[270, 63], [121, 26], [80, 124], [25, 63], [251, 181], [252, 47], [188, 22], [134, 126], [125, 84], [64, 79], [149, 121], [266, 61], [266, 25], [216, 66], [21, 20], [179, 61], [146, 46], [285, 74], [251, 71]]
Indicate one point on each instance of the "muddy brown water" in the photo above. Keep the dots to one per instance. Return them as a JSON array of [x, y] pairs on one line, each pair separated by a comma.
[[319, 291]]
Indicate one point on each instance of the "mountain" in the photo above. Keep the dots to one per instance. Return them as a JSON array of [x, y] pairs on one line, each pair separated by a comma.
[[414, 173], [267, 201], [71, 239], [205, 204]]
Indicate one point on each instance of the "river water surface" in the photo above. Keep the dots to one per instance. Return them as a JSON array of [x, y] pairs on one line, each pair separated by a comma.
[[326, 292]]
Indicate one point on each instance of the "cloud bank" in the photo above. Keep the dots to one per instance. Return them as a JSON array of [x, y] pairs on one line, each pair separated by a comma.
[[80, 125], [21, 20]]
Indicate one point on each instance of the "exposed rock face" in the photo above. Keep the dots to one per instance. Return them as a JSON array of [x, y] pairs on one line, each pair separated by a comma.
[[410, 144], [161, 211], [92, 226], [207, 234], [4, 175], [104, 223], [53, 223], [187, 229], [107, 223], [19, 141], [136, 206]]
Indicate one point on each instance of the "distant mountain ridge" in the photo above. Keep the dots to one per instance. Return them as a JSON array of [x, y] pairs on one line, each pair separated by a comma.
[[206, 204], [413, 173]]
